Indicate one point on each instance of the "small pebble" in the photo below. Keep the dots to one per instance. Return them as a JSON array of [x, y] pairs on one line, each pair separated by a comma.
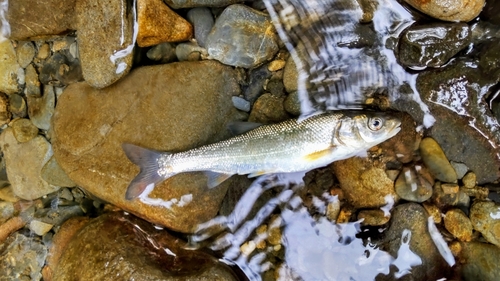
[[411, 186], [460, 168], [373, 217], [202, 20], [274, 236], [5, 114], [333, 210], [345, 214], [40, 228], [32, 82], [25, 53], [241, 103], [24, 130], [469, 180], [247, 248], [435, 160], [189, 52], [44, 51], [477, 192], [17, 105], [458, 224], [164, 53], [292, 103], [433, 211], [276, 65], [450, 188], [268, 109]]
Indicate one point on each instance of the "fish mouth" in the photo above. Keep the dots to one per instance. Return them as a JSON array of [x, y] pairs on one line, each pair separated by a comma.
[[395, 129]]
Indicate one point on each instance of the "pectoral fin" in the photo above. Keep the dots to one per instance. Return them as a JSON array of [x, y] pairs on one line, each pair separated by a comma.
[[259, 173], [214, 178], [315, 156]]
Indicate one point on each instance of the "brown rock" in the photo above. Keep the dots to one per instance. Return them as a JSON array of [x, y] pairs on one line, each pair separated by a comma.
[[27, 20], [403, 145], [122, 247], [479, 261], [458, 224], [156, 107], [268, 109], [365, 184], [24, 130], [433, 211], [435, 160], [105, 42], [59, 243], [5, 114], [373, 217], [455, 10], [485, 218], [158, 24]]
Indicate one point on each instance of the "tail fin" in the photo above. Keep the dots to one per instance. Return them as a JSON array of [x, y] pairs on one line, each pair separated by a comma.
[[147, 160]]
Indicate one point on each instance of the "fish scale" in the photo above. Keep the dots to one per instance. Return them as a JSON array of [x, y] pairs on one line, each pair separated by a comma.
[[286, 147]]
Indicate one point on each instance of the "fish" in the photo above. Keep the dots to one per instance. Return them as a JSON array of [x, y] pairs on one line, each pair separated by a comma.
[[290, 146]]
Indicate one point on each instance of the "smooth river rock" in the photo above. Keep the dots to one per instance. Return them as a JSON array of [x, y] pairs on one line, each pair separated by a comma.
[[45, 17], [115, 246], [452, 10], [105, 43], [172, 107]]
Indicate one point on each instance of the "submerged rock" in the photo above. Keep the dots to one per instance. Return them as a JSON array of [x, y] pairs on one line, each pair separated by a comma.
[[10, 71], [27, 20], [464, 128], [479, 261], [413, 217], [435, 160], [202, 21], [485, 218], [458, 224], [157, 23], [242, 37], [119, 245], [26, 179], [179, 4], [105, 37], [41, 109], [22, 258], [455, 10], [364, 183], [433, 45], [90, 125]]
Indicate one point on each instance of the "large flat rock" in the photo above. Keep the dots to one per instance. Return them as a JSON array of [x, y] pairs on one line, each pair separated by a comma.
[[170, 107]]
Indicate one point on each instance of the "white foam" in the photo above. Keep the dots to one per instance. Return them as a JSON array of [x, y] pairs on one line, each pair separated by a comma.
[[158, 202], [496, 215], [389, 203], [406, 258], [438, 240], [127, 50], [5, 29]]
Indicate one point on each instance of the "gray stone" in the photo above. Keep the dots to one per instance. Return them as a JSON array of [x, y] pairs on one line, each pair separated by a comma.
[[104, 56], [147, 109], [241, 104], [189, 52], [55, 175], [460, 168], [411, 186], [242, 37], [10, 70], [433, 44], [26, 179], [17, 105], [6, 211], [41, 109], [202, 21], [57, 216], [292, 103], [179, 4], [22, 258], [40, 228], [25, 53], [61, 69], [119, 245], [255, 86], [28, 20], [164, 53], [24, 130]]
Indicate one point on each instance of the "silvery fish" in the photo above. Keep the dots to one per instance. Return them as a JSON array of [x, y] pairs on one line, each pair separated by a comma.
[[290, 146]]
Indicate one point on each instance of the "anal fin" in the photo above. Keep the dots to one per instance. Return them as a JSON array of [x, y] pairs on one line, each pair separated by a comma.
[[214, 178]]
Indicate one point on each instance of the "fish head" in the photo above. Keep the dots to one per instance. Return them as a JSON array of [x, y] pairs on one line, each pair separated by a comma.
[[367, 129]]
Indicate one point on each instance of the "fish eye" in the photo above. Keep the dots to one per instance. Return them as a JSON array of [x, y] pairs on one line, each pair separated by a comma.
[[375, 123]]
